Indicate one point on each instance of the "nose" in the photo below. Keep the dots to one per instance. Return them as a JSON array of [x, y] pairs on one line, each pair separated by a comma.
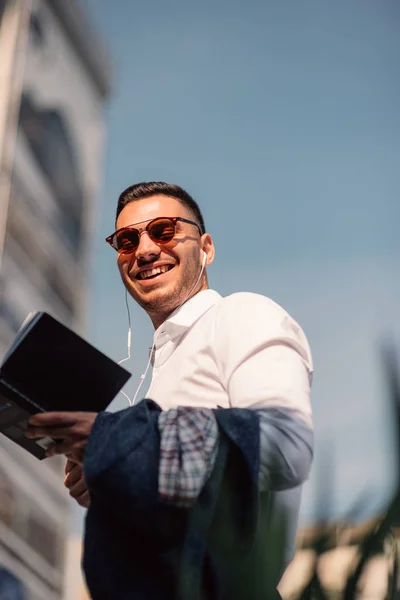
[[147, 249]]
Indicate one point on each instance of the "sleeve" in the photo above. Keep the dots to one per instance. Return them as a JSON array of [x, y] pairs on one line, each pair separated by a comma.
[[120, 466], [189, 442], [265, 364]]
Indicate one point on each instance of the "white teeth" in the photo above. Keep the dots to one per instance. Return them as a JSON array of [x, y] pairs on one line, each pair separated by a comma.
[[152, 272]]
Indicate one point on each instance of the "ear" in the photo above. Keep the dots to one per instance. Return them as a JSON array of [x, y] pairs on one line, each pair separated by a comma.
[[208, 248]]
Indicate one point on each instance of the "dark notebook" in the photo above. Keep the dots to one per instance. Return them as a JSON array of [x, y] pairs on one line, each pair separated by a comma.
[[50, 368]]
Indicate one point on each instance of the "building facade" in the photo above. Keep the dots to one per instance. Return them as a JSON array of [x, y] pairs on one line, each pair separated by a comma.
[[52, 133]]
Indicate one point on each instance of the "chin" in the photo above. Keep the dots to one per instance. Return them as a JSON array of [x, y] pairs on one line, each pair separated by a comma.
[[157, 300]]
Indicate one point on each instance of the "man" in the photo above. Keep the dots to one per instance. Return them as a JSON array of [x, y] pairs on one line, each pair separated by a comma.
[[194, 493]]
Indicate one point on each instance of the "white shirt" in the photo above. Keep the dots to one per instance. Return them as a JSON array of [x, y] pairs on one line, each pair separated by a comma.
[[244, 351]]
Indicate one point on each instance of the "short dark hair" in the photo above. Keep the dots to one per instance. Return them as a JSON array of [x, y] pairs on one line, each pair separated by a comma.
[[138, 191]]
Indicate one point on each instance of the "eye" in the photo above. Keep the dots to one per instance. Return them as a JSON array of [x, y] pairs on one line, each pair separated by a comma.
[[126, 240], [163, 231]]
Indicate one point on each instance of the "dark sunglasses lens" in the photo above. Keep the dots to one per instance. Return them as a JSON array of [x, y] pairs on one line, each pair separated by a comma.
[[126, 241], [162, 230]]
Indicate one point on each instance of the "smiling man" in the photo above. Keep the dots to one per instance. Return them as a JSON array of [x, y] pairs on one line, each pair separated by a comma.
[[161, 273], [193, 492]]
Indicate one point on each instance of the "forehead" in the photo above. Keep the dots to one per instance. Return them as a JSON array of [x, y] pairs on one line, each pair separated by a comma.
[[150, 208]]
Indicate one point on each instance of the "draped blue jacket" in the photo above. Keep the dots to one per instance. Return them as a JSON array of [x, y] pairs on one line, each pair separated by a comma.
[[230, 546]]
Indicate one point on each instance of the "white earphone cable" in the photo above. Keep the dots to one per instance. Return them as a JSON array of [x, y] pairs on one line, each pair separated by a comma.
[[143, 376], [129, 339]]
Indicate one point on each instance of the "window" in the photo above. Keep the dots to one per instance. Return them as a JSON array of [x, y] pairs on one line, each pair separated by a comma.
[[48, 137], [6, 500], [36, 30], [2, 7], [10, 315], [20, 237], [60, 287], [10, 586], [30, 523], [44, 539]]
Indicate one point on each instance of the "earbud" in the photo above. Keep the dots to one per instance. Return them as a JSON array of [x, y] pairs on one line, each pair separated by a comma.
[[203, 264]]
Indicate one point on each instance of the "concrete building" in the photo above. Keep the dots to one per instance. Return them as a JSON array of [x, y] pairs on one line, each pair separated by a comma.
[[54, 80]]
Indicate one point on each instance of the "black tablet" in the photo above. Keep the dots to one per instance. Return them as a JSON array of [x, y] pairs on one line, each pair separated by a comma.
[[48, 367]]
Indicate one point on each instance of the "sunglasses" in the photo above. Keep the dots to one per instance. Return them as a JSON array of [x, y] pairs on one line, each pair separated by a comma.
[[161, 230]]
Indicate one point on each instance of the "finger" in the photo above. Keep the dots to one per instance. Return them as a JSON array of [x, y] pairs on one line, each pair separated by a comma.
[[65, 447], [78, 489], [73, 476], [75, 449], [84, 500], [53, 432], [69, 465], [47, 419]]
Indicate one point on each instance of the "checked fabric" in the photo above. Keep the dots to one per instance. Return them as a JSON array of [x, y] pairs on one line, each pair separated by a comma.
[[188, 450]]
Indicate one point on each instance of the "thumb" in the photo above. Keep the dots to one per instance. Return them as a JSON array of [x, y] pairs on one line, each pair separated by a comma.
[[69, 465]]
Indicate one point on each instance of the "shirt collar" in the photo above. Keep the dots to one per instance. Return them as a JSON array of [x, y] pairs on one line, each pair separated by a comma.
[[184, 316]]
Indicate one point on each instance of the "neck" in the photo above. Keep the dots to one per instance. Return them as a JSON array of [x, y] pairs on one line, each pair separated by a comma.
[[158, 318]]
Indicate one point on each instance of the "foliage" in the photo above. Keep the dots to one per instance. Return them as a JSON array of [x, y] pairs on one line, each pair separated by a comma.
[[375, 541]]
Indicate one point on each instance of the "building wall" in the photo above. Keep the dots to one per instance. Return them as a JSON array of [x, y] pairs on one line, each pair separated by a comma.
[[49, 214], [55, 181]]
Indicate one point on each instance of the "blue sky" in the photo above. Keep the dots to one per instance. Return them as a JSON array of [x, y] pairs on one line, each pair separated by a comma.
[[282, 120]]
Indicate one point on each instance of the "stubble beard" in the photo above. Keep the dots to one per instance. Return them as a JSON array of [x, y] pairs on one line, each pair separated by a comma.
[[158, 303], [163, 303]]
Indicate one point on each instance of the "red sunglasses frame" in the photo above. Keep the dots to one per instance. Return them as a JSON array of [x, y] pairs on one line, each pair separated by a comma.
[[111, 239]]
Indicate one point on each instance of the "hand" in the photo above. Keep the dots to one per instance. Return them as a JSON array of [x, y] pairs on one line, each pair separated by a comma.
[[75, 482], [71, 429]]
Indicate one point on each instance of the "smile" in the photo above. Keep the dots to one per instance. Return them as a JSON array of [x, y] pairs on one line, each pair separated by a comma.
[[153, 273]]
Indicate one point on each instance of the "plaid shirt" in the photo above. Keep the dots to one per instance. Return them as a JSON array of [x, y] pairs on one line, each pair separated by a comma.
[[188, 449]]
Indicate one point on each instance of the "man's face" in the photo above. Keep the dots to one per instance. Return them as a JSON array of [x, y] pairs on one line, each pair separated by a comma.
[[161, 294]]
